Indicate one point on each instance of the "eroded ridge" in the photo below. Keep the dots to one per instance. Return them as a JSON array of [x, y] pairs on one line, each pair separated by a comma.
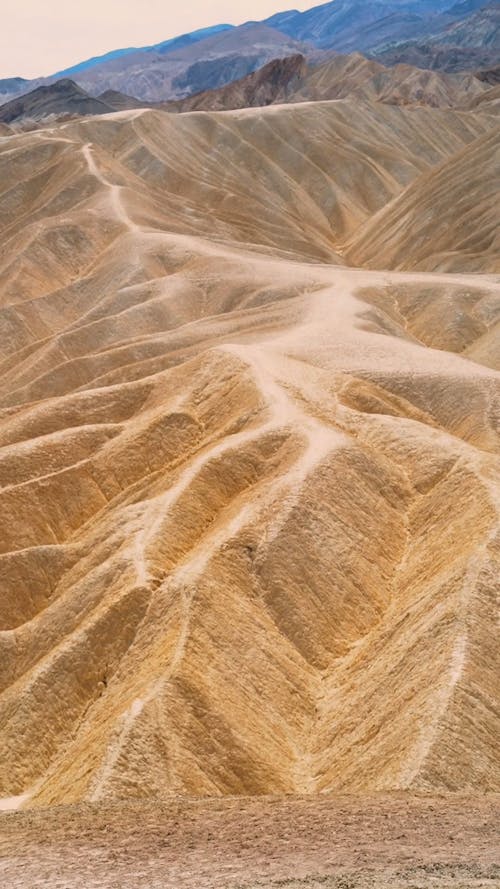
[[248, 530]]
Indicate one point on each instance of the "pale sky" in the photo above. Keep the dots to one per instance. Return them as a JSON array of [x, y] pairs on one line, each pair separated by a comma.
[[39, 37]]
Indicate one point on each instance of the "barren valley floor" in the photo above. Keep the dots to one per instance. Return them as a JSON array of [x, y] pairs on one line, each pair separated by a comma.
[[379, 842]]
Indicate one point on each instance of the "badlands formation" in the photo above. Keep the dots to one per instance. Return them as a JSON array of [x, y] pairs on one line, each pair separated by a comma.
[[249, 455]]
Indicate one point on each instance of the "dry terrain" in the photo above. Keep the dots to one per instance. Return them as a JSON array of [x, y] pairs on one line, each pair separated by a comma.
[[282, 80], [249, 505], [292, 79], [382, 842]]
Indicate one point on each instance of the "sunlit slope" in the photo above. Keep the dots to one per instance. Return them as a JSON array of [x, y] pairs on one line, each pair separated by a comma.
[[249, 505]]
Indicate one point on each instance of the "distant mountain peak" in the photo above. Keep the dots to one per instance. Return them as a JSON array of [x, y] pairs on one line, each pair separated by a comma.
[[64, 97]]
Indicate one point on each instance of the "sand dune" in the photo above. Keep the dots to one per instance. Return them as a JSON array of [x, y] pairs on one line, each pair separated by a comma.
[[249, 533]]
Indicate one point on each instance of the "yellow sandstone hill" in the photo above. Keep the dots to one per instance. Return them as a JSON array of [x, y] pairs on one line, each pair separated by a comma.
[[250, 494]]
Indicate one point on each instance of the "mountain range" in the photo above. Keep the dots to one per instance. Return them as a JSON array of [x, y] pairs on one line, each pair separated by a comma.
[[291, 79], [435, 34]]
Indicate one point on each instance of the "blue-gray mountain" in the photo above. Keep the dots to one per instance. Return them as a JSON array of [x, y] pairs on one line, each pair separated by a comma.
[[435, 34]]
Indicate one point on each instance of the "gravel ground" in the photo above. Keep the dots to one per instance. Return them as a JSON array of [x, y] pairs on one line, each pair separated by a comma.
[[394, 842]]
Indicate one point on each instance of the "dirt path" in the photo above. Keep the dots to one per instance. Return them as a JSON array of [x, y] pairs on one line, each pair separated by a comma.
[[115, 191], [301, 843]]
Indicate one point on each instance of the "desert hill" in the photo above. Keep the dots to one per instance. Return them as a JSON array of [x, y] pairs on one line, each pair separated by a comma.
[[120, 101], [290, 79], [356, 76], [64, 97], [249, 533], [352, 76], [488, 101], [273, 83], [355, 160], [436, 223]]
